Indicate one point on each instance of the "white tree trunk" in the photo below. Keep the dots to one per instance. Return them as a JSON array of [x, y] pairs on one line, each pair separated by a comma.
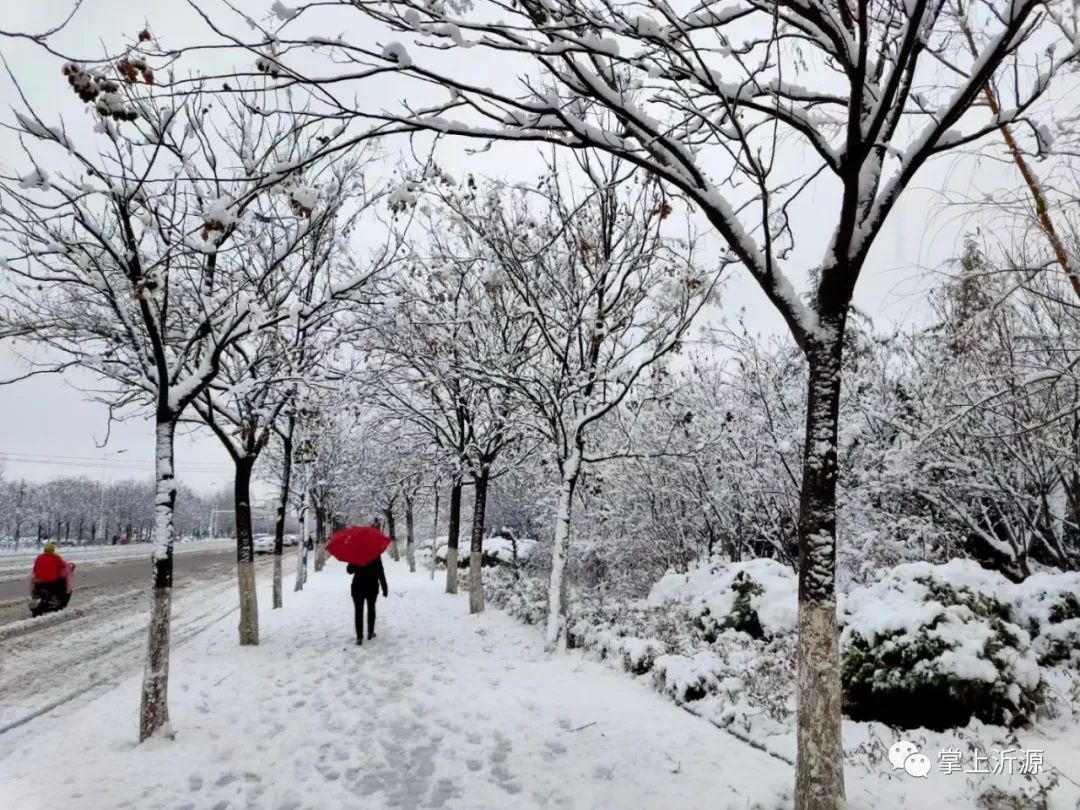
[[555, 637], [820, 770], [451, 570], [452, 540], [320, 538], [476, 582], [154, 709], [301, 547], [245, 556], [249, 606]]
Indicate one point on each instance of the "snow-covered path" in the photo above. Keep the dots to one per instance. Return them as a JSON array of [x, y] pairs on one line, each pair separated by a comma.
[[441, 710]]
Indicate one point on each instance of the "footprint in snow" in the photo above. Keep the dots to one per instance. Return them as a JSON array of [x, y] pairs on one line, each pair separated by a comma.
[[444, 791], [604, 772]]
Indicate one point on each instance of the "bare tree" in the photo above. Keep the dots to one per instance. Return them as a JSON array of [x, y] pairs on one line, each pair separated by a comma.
[[606, 291], [116, 259], [870, 91]]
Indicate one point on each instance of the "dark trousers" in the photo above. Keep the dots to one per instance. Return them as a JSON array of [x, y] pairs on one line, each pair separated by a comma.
[[359, 599]]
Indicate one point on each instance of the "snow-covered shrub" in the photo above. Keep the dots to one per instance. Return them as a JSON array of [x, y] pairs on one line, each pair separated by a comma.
[[756, 597], [524, 598], [1047, 605], [497, 550], [688, 678], [639, 654], [934, 646]]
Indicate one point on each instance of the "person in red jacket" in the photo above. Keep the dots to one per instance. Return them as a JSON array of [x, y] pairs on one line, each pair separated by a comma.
[[51, 572]]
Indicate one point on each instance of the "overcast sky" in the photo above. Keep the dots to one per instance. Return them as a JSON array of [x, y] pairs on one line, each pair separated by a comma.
[[48, 427]]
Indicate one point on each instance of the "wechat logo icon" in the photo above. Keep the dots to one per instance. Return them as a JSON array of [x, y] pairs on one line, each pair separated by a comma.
[[905, 755]]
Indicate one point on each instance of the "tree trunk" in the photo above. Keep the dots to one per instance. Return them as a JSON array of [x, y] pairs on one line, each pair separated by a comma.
[[154, 708], [476, 546], [301, 548], [410, 538], [557, 587], [283, 504], [245, 553], [320, 537], [453, 530], [81, 521], [819, 775], [391, 530], [434, 532]]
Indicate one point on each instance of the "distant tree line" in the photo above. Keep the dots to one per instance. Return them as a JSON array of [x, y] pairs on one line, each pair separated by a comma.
[[81, 511]]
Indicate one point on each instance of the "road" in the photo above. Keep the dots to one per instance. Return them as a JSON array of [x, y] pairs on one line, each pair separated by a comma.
[[59, 660], [96, 579]]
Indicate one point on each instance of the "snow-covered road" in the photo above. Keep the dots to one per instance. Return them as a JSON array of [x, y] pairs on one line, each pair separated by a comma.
[[441, 710], [67, 657], [103, 581]]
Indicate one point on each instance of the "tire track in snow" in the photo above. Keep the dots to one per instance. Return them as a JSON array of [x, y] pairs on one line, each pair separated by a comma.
[[86, 654], [178, 640]]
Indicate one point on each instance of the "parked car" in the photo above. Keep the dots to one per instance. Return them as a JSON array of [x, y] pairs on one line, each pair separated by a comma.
[[289, 540], [264, 543]]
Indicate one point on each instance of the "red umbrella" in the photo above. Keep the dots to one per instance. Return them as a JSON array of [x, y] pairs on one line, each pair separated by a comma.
[[357, 545]]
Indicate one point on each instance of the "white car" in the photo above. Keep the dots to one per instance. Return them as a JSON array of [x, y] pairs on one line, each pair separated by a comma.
[[264, 543]]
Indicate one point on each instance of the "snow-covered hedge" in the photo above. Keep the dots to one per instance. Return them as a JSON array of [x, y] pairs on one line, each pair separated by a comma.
[[498, 550], [923, 646], [1048, 607], [756, 597], [676, 644], [935, 645]]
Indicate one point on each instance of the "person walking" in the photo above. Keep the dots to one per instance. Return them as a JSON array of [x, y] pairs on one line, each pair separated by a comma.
[[366, 582]]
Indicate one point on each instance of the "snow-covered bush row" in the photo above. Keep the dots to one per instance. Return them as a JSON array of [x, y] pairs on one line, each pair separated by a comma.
[[682, 651], [924, 645], [498, 550]]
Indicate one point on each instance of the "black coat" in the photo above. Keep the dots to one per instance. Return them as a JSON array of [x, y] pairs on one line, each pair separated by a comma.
[[367, 579]]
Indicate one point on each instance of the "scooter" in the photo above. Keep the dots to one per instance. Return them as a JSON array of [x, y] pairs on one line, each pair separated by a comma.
[[45, 599]]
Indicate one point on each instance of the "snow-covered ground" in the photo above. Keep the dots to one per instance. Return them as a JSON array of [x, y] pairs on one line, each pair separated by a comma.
[[443, 709]]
